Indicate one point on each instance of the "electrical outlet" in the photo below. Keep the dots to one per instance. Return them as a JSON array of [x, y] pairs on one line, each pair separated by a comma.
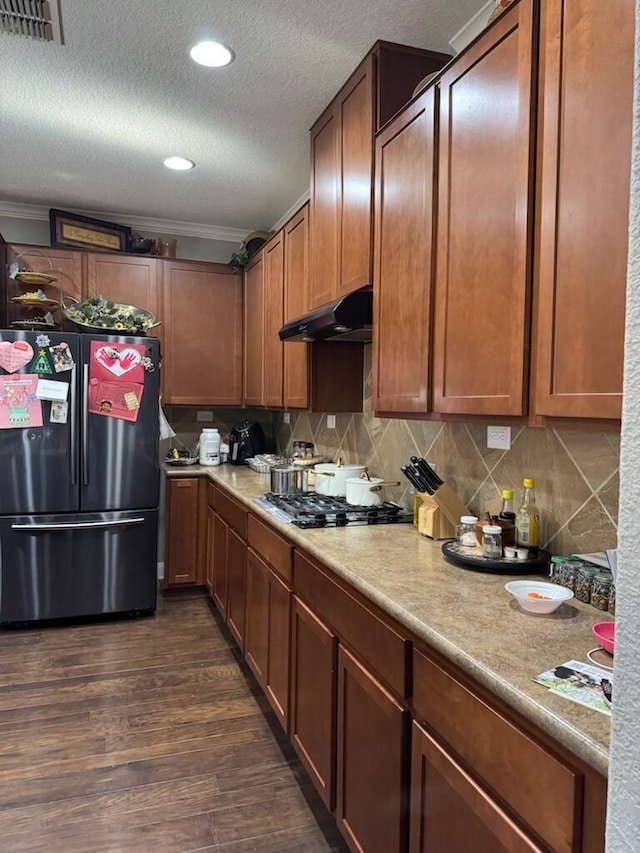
[[287, 417], [331, 421], [204, 416], [499, 437]]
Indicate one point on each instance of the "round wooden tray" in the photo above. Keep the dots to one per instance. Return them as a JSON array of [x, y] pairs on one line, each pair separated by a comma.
[[460, 556]]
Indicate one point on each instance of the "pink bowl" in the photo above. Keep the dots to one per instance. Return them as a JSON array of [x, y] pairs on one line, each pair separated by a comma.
[[605, 633]]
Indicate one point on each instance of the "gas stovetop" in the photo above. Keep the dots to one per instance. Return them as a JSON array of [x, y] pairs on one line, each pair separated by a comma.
[[309, 509]]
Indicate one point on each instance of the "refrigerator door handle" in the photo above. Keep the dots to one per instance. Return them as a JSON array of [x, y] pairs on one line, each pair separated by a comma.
[[85, 420], [73, 434], [77, 525]]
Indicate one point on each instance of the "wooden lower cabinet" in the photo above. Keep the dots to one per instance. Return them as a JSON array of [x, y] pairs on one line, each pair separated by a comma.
[[372, 768], [314, 649], [182, 552], [451, 812], [267, 633], [236, 585], [209, 569], [220, 565]]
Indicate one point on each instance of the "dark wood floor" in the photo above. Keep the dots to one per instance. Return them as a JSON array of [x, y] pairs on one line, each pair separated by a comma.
[[145, 736]]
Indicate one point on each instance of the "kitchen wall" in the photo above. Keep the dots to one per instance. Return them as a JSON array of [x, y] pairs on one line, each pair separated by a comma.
[[184, 421], [576, 471]]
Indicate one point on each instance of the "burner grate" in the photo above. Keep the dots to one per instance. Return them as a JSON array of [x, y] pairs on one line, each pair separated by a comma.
[[310, 510]]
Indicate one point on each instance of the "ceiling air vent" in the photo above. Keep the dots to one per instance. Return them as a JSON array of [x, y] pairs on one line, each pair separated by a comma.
[[34, 19]]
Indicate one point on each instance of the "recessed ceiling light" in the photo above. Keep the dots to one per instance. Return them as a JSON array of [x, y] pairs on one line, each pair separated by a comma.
[[212, 54], [179, 163]]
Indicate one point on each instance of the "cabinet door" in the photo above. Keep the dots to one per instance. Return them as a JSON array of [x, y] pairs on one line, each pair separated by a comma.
[[372, 761], [278, 664], [355, 103], [403, 259], [313, 698], [181, 552], [256, 636], [237, 582], [209, 569], [123, 278], [203, 334], [253, 373], [484, 192], [586, 110], [296, 281], [273, 254], [220, 565], [325, 208], [450, 811]]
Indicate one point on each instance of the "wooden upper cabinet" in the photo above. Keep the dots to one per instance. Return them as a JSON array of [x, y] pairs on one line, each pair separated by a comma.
[[202, 334], [356, 136], [403, 258], [325, 208], [273, 254], [253, 375], [342, 144], [585, 118], [482, 289], [131, 279], [296, 277]]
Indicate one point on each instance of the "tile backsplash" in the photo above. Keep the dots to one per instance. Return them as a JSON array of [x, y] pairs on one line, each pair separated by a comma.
[[576, 471]]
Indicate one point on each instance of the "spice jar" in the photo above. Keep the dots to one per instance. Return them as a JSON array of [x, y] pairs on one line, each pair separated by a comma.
[[492, 541], [556, 569], [612, 599], [584, 583], [569, 571], [600, 590], [466, 530]]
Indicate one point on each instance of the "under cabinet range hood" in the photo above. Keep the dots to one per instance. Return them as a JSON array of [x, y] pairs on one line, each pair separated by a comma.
[[349, 318]]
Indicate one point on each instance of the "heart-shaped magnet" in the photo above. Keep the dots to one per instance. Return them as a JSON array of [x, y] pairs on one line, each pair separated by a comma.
[[14, 355]]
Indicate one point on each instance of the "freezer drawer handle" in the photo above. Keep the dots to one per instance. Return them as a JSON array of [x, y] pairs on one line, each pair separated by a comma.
[[77, 525]]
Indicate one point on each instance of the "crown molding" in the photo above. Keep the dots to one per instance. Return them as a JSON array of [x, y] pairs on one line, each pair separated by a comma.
[[473, 27], [295, 207], [138, 223]]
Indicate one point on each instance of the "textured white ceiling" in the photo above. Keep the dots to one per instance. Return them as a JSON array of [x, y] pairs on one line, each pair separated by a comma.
[[85, 125]]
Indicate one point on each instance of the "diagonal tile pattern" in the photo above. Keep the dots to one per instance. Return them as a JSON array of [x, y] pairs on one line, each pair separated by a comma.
[[576, 471]]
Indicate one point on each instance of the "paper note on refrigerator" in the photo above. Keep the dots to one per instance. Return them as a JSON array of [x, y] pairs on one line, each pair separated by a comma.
[[19, 406], [50, 389]]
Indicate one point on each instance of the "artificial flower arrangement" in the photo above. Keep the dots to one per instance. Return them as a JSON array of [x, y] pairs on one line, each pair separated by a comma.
[[100, 313]]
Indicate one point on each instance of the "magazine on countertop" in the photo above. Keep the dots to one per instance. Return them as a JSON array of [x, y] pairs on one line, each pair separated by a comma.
[[580, 682]]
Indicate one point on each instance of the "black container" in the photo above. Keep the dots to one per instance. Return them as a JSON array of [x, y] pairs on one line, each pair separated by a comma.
[[246, 439]]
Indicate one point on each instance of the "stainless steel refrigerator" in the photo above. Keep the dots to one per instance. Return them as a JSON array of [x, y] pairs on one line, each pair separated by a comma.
[[79, 484]]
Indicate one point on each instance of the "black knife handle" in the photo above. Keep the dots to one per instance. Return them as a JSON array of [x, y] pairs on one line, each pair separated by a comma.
[[426, 472], [411, 477]]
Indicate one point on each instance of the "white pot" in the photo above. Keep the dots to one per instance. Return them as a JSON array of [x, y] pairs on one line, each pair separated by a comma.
[[331, 479], [366, 492]]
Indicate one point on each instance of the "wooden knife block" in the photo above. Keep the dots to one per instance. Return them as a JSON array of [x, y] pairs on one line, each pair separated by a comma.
[[439, 513]]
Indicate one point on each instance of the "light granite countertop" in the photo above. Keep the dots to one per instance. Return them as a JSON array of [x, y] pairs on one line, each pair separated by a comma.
[[468, 616]]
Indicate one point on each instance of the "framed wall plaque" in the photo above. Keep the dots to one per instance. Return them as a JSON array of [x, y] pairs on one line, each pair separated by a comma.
[[70, 230]]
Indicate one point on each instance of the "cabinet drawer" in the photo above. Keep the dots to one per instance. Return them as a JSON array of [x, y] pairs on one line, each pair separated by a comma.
[[507, 761], [272, 547], [377, 643], [211, 495], [232, 512]]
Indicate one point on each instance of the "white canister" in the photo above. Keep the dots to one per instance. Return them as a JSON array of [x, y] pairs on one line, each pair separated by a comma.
[[210, 447], [331, 479]]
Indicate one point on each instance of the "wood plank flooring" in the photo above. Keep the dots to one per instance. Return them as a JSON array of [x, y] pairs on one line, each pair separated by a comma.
[[146, 736]]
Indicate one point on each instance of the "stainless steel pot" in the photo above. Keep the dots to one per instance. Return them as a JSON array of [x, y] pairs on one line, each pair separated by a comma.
[[288, 479]]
